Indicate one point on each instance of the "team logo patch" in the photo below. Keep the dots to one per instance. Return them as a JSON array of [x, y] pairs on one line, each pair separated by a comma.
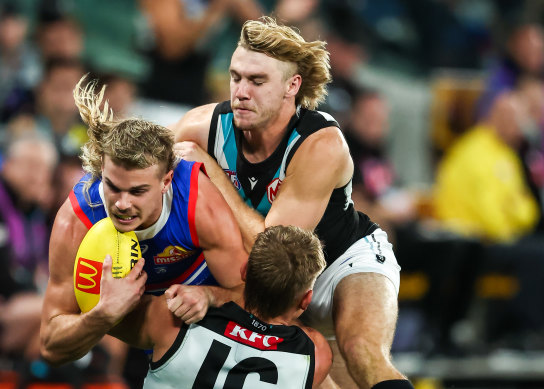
[[171, 254], [233, 178], [242, 335], [272, 189], [88, 275]]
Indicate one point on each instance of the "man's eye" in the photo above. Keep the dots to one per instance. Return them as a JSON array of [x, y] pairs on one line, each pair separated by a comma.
[[113, 189]]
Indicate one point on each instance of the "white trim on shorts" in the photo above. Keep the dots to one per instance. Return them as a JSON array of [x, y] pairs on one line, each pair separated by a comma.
[[371, 254]]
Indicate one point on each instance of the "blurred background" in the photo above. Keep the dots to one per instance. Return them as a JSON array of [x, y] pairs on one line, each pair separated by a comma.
[[441, 102]]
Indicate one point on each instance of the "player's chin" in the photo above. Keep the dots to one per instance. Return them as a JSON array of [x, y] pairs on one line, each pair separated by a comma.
[[244, 124], [125, 224]]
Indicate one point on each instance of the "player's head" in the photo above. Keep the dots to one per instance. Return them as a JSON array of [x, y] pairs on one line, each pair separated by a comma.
[[308, 59], [282, 267], [133, 157]]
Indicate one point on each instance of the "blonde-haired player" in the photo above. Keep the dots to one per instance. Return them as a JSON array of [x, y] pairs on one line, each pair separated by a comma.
[[178, 215], [287, 163]]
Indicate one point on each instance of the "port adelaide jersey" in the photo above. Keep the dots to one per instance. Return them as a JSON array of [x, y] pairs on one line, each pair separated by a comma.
[[170, 246], [232, 349], [259, 183]]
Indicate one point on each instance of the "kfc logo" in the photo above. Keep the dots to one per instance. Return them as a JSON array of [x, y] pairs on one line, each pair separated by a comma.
[[250, 338], [88, 274], [272, 189]]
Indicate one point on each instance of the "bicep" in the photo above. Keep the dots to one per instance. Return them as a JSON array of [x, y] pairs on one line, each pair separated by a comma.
[[66, 236], [317, 168], [218, 234]]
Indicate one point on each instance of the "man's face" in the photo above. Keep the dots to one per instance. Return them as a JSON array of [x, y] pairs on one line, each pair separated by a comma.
[[258, 85], [55, 94], [133, 197]]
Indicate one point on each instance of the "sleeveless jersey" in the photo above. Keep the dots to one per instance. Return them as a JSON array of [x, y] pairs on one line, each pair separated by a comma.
[[170, 246], [258, 183], [232, 349]]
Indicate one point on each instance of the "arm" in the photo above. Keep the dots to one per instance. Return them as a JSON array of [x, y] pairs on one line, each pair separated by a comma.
[[176, 33], [191, 132], [323, 355], [65, 333], [221, 241], [303, 195], [149, 326]]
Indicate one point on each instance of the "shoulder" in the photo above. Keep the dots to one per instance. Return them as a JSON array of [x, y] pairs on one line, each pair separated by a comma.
[[194, 125], [67, 233], [67, 220], [327, 144], [318, 119]]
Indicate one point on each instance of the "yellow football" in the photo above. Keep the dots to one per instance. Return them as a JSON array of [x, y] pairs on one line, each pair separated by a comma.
[[102, 239]]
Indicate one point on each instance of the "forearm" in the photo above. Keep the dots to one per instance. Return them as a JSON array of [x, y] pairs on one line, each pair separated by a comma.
[[69, 337], [250, 221], [218, 296]]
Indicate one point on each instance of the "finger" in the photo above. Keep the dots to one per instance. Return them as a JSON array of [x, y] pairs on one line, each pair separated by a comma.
[[143, 277], [137, 270], [193, 315], [171, 292], [106, 267], [174, 304], [183, 312], [139, 266]]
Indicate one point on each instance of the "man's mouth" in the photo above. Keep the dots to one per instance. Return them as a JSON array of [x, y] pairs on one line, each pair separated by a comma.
[[125, 218]]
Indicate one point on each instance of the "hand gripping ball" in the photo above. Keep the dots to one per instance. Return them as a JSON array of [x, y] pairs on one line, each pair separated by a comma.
[[102, 239]]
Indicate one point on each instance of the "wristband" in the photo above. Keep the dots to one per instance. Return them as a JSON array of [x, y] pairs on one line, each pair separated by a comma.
[[393, 384]]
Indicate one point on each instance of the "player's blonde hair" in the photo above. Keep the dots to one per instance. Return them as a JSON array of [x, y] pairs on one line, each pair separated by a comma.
[[283, 264], [131, 143], [285, 44]]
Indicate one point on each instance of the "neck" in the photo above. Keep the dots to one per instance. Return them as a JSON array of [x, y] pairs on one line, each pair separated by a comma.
[[259, 144], [286, 319]]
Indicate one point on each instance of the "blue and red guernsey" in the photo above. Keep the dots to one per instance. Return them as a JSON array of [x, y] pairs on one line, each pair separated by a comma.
[[170, 246]]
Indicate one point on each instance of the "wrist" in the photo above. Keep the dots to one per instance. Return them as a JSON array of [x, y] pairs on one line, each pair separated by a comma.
[[97, 318], [212, 302]]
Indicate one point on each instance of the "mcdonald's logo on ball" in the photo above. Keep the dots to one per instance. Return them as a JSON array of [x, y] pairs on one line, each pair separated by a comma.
[[102, 239]]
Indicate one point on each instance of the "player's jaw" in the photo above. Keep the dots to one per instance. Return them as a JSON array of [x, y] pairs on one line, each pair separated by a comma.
[[125, 221]]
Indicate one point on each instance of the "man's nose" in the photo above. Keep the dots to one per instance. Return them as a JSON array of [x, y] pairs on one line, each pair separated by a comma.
[[242, 90], [123, 202]]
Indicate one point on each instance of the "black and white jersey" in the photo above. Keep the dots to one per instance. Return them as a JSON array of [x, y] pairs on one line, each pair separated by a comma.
[[232, 349], [258, 183]]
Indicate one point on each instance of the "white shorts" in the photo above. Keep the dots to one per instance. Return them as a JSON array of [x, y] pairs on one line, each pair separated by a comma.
[[371, 254]]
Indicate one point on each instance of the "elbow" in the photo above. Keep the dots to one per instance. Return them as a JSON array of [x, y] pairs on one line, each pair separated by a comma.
[[50, 357], [55, 358]]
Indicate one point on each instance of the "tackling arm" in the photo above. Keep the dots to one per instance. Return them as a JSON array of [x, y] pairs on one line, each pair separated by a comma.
[[192, 134]]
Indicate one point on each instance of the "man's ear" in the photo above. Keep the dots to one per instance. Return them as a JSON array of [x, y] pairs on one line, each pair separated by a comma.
[[243, 271], [306, 299], [166, 181], [293, 85]]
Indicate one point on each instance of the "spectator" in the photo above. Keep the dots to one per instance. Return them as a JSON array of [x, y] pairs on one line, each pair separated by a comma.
[[23, 248], [482, 193], [19, 63], [375, 186], [523, 56], [57, 34], [55, 114], [179, 62], [480, 187]]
